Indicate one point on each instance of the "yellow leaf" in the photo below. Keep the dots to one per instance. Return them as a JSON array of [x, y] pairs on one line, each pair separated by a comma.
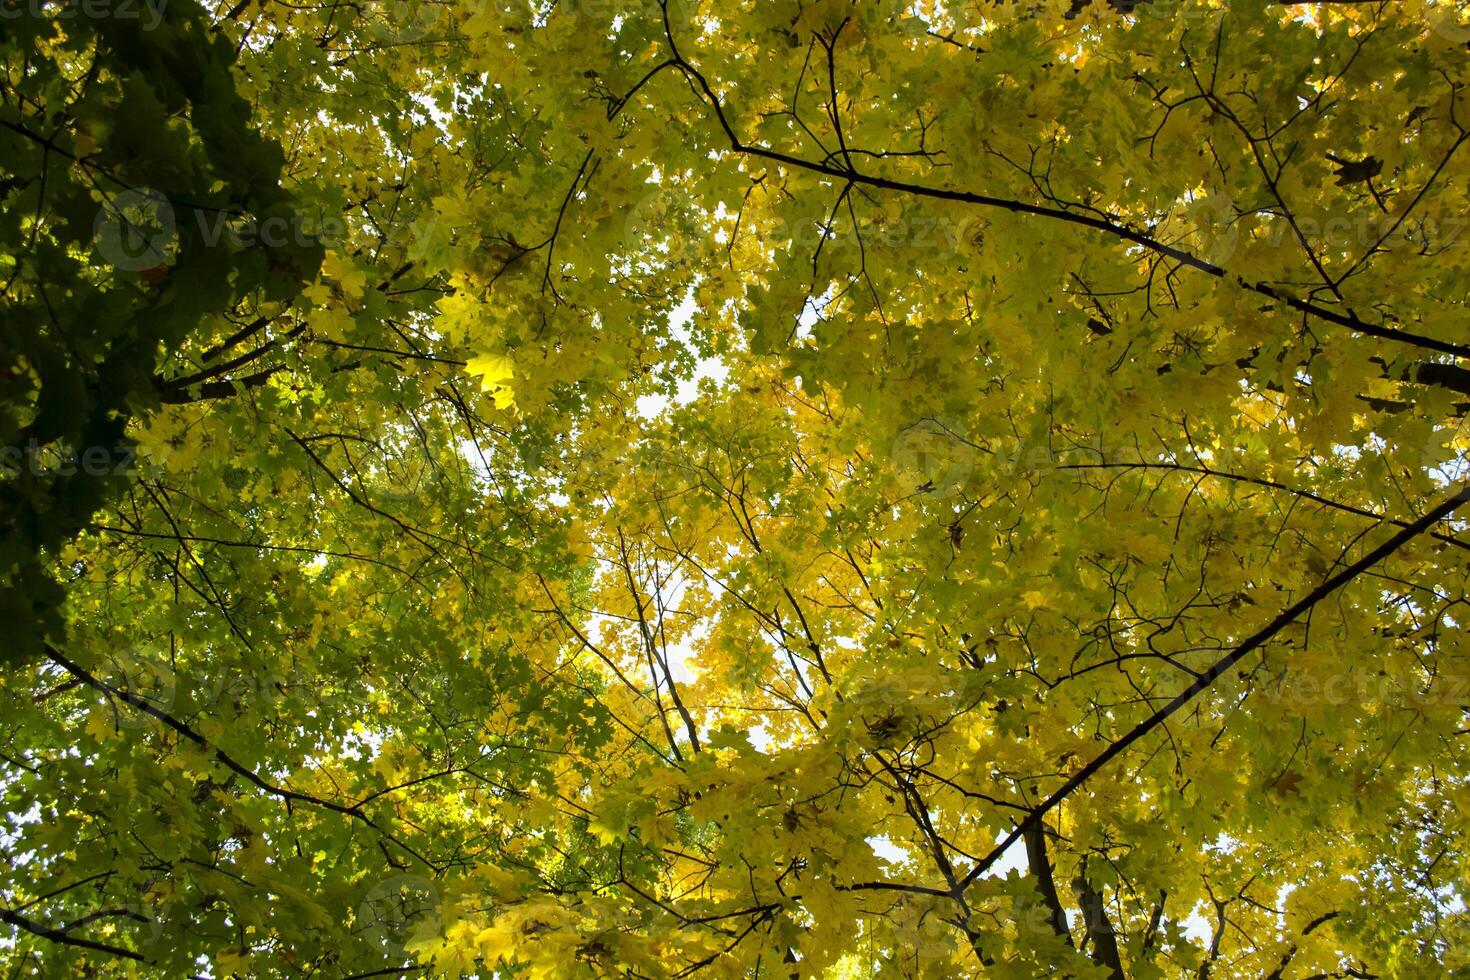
[[331, 322], [349, 278], [318, 292], [494, 371], [99, 725], [231, 962]]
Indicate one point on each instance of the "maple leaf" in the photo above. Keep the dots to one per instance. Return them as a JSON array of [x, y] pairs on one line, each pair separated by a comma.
[[1286, 784], [348, 278], [954, 447], [495, 372]]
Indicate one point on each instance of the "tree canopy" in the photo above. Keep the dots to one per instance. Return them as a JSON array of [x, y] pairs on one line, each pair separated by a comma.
[[753, 488]]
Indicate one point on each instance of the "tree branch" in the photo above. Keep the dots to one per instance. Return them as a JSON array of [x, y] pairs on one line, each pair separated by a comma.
[[1209, 676]]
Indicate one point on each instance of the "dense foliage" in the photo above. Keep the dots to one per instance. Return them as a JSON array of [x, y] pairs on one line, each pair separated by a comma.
[[748, 487]]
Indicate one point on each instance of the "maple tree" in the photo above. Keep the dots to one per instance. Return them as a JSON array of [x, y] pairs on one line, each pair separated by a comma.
[[769, 488]]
